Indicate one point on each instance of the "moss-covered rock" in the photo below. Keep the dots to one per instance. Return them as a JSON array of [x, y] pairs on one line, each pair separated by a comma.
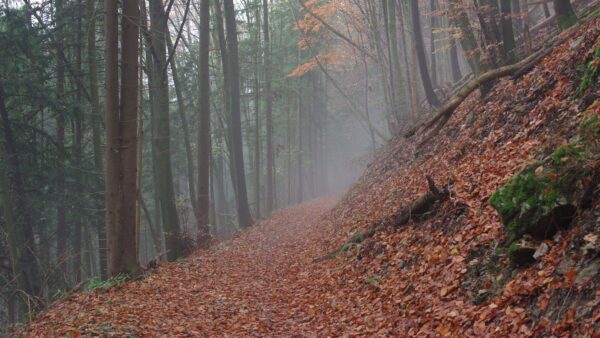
[[535, 202], [544, 197]]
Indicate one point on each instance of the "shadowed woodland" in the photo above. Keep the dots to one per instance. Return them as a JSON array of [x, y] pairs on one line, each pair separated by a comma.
[[299, 167]]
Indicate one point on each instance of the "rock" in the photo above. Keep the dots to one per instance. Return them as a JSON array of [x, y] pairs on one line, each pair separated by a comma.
[[541, 251], [521, 253]]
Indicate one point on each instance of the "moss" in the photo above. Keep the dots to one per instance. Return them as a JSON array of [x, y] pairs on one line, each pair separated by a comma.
[[591, 72], [528, 197], [357, 237], [512, 248], [565, 22], [589, 128]]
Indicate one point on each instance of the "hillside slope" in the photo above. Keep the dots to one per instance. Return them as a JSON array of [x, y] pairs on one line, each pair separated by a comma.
[[439, 275], [429, 273]]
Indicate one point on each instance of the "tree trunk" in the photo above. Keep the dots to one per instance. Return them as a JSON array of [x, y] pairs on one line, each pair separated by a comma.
[[62, 230], [508, 36], [78, 151], [204, 139], [299, 196], [268, 110], [454, 64], [565, 15], [467, 39], [96, 126], [383, 71], [226, 88], [185, 128], [161, 136], [23, 212], [121, 129], [422, 59], [487, 11], [257, 124], [13, 240], [397, 83], [244, 217], [433, 22]]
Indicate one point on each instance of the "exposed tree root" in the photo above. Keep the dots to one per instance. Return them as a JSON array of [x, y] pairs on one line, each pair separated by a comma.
[[418, 208]]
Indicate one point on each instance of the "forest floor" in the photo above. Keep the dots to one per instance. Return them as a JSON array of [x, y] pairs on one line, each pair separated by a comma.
[[262, 282], [442, 275]]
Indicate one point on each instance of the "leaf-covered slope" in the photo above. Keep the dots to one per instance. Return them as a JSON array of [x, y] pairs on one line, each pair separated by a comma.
[[425, 279], [430, 274]]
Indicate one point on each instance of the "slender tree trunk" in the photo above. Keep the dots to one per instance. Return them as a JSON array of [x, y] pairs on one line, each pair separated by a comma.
[[411, 69], [13, 240], [422, 60], [454, 64], [96, 125], [383, 71], [204, 139], [128, 126], [79, 121], [467, 40], [140, 151], [508, 36], [257, 129], [289, 154], [226, 88], [257, 124], [161, 135], [185, 128], [113, 137], [526, 33], [565, 15], [26, 236], [397, 84], [121, 128], [433, 22], [515, 6], [546, 10], [487, 10], [62, 231], [244, 217], [299, 195], [268, 109]]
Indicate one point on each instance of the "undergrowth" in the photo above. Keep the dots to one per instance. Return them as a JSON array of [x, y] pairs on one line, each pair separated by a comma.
[[99, 284]]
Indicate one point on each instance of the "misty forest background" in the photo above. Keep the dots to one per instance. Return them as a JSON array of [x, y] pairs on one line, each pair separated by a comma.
[[133, 132]]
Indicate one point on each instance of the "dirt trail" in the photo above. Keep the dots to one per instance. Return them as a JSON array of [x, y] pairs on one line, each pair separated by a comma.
[[258, 283]]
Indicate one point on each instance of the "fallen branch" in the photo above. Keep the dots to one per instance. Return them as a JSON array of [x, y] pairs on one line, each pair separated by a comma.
[[418, 208], [452, 103]]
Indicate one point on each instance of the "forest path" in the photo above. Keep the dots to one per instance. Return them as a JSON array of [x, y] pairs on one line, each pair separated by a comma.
[[262, 282]]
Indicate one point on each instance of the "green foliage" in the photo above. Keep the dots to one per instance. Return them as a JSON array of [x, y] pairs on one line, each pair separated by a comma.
[[350, 245], [374, 280], [357, 237], [96, 283], [591, 72]]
